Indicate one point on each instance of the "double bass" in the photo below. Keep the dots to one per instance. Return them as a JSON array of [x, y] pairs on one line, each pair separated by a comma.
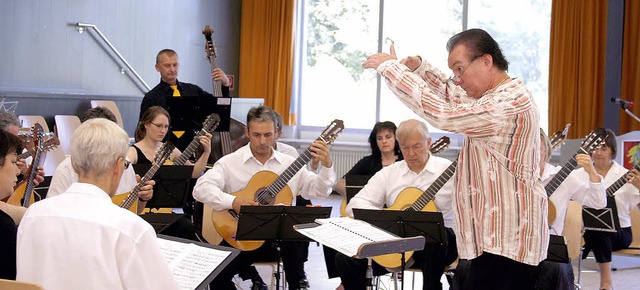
[[222, 143]]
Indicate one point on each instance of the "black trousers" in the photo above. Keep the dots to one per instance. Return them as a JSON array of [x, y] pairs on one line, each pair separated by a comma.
[[432, 261], [489, 271], [603, 243], [549, 276], [292, 259]]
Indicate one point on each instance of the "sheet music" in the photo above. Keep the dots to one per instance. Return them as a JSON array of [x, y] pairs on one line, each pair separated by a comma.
[[190, 263], [346, 235]]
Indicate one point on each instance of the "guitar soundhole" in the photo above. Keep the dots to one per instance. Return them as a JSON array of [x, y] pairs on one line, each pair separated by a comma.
[[263, 197]]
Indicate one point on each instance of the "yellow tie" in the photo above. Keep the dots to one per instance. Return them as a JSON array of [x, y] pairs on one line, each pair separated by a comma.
[[176, 93]]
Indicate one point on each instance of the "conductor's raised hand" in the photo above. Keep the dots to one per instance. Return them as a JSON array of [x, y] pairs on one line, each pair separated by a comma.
[[320, 153], [375, 60]]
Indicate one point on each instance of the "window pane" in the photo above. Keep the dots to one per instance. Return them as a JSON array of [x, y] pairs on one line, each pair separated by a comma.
[[522, 28], [340, 34], [421, 30]]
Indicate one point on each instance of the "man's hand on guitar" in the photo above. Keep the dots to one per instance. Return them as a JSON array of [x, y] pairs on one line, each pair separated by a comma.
[[240, 201], [320, 153], [146, 191], [218, 75]]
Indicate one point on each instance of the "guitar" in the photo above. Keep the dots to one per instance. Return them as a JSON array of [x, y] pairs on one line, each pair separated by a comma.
[[23, 194], [49, 144], [267, 188], [414, 199], [436, 147], [558, 137], [129, 199], [594, 140], [208, 126]]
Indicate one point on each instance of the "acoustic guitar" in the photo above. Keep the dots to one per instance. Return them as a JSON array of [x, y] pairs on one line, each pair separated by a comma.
[[414, 199], [267, 188], [436, 147], [23, 194], [129, 199], [594, 140]]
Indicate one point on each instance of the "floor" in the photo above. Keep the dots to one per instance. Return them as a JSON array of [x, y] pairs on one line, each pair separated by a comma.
[[317, 273]]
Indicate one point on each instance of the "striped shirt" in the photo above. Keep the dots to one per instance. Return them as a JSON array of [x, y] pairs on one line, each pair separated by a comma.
[[500, 205]]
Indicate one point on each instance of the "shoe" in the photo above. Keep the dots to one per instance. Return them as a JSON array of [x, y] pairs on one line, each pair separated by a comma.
[[258, 284]]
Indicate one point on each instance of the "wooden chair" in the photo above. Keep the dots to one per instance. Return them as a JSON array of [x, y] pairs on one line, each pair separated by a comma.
[[18, 285], [111, 105], [65, 125]]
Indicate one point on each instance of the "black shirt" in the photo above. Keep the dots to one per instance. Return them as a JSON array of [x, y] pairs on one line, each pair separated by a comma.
[[183, 118], [368, 166], [8, 234]]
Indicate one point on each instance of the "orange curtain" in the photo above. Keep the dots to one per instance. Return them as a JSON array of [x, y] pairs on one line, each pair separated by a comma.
[[630, 83], [576, 65], [266, 53]]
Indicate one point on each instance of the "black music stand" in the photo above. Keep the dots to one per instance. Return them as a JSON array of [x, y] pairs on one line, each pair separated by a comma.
[[354, 183], [189, 112], [170, 191], [407, 223], [275, 223], [604, 220]]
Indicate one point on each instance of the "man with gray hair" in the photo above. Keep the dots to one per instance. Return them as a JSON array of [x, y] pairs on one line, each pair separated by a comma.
[[122, 247], [390, 187]]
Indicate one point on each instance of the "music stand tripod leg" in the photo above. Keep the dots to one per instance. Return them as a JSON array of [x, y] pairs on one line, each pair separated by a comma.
[[278, 266], [369, 274]]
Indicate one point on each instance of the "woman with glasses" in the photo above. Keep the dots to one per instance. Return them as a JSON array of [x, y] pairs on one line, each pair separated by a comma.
[[151, 130]]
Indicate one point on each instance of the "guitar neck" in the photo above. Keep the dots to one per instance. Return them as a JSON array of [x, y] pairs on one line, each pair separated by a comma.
[[33, 171], [430, 193], [282, 180], [133, 196], [564, 172], [619, 183], [182, 159]]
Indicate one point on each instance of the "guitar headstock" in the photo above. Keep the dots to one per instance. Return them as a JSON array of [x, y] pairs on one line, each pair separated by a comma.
[[210, 48], [50, 143], [558, 137], [163, 153], [440, 144], [330, 132], [38, 135], [594, 140], [211, 123]]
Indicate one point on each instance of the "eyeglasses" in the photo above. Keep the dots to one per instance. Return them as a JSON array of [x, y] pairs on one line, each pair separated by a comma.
[[161, 126], [461, 69], [126, 163]]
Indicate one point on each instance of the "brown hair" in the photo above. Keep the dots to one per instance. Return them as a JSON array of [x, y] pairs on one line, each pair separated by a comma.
[[147, 117]]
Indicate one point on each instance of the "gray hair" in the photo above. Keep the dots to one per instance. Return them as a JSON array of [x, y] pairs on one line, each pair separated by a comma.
[[96, 145], [7, 119], [411, 126]]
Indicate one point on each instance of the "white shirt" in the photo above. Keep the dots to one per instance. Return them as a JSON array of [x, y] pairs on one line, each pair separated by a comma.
[[287, 149], [385, 186], [64, 176], [233, 171], [626, 197], [81, 240], [575, 187]]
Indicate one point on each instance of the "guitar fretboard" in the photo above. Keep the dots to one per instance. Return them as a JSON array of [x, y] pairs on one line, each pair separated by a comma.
[[620, 182], [564, 172], [430, 193]]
